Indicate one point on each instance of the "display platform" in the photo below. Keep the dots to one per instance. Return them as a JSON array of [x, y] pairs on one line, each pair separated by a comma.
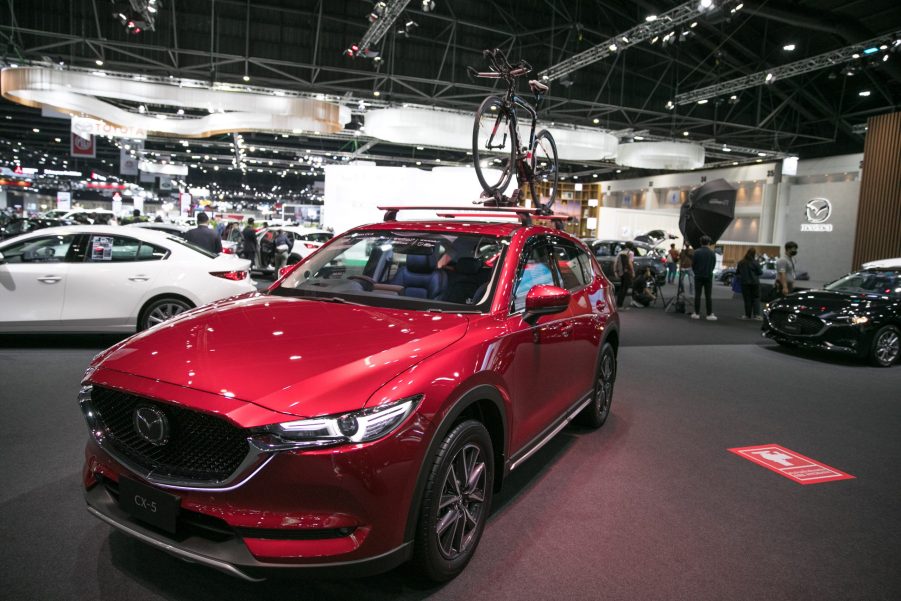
[[652, 506]]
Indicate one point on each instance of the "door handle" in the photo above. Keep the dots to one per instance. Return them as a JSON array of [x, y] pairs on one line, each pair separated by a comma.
[[50, 279], [139, 278], [567, 330]]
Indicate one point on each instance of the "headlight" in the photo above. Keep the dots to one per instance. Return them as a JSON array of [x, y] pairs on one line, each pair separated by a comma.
[[365, 425]]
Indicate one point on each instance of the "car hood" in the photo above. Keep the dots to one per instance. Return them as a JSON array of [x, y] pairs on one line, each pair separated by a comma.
[[825, 303], [296, 356]]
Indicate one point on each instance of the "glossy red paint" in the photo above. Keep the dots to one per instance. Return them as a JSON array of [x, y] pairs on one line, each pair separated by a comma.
[[262, 359], [546, 300]]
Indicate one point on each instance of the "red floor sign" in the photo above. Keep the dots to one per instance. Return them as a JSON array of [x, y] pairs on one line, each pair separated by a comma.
[[794, 466]]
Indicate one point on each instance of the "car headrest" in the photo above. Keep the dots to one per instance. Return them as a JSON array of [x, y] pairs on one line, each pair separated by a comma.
[[422, 263], [468, 265]]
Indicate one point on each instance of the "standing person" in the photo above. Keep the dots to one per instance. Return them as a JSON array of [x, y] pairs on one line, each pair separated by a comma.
[[249, 236], [785, 269], [672, 262], [703, 263], [282, 248], [203, 236], [685, 262], [624, 267], [749, 271]]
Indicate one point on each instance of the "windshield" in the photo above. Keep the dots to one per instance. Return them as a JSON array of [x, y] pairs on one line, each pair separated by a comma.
[[436, 271], [183, 242], [868, 282]]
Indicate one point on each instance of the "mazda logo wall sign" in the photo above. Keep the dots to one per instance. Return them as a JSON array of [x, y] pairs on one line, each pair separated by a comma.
[[817, 211], [151, 425]]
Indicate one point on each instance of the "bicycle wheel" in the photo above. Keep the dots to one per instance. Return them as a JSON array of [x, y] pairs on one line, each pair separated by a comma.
[[492, 145], [544, 165]]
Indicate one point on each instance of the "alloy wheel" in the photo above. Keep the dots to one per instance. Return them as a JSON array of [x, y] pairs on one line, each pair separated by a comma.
[[887, 347], [462, 505], [164, 312], [606, 379]]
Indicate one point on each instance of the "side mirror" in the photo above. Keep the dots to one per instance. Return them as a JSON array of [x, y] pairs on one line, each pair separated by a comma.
[[545, 300], [283, 270]]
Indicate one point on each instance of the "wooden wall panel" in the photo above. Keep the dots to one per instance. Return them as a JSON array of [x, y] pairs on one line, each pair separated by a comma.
[[878, 234]]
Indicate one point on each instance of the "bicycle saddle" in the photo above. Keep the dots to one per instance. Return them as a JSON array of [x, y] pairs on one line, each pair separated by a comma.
[[537, 87]]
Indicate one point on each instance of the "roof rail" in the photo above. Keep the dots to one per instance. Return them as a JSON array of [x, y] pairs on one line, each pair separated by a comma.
[[524, 214]]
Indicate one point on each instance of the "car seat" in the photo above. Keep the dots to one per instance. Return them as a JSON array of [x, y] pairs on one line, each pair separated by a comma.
[[465, 280], [420, 277]]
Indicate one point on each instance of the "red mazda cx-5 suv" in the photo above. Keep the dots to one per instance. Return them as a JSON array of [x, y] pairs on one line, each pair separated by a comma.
[[362, 411]]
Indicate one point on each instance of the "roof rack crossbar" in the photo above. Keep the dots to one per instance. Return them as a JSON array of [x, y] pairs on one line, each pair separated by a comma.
[[524, 214]]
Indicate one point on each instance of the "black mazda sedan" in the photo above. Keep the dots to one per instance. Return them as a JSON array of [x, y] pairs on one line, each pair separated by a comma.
[[859, 314]]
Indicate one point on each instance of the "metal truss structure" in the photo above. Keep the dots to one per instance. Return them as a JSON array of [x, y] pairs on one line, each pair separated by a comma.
[[807, 65], [297, 47], [382, 25], [653, 29]]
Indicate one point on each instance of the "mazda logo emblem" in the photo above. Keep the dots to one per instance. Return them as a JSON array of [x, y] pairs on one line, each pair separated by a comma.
[[792, 318], [818, 210], [151, 425]]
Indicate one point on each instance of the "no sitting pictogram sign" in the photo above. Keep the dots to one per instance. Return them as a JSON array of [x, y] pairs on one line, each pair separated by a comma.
[[794, 466]]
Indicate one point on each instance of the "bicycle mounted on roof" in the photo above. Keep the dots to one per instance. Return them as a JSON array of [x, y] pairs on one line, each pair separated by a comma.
[[496, 141]]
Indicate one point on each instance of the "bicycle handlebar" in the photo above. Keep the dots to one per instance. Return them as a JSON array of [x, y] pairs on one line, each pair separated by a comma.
[[501, 66]]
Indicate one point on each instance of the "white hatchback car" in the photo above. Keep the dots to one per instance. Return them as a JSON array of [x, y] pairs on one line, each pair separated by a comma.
[[89, 278], [305, 241]]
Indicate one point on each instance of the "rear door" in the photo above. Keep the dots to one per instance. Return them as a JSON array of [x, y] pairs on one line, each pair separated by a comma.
[[116, 274], [33, 281]]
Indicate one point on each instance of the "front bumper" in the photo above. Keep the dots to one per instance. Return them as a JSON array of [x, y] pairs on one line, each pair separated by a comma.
[[838, 338], [336, 510]]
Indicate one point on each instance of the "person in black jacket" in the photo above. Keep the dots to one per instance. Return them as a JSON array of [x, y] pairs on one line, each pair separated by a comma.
[[749, 271], [249, 236], [703, 263], [203, 236]]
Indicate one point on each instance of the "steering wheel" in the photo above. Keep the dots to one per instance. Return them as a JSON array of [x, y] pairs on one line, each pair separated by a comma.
[[367, 282]]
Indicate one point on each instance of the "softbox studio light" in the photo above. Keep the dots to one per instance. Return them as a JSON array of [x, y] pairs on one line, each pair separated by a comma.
[[708, 211]]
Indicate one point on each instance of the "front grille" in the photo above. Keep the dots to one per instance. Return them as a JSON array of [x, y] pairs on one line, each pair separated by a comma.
[[803, 325], [201, 447]]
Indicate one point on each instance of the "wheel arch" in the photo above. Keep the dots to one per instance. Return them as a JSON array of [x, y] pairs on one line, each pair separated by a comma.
[[161, 296], [483, 403]]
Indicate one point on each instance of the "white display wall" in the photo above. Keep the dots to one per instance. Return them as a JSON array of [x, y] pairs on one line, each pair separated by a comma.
[[353, 192], [625, 224]]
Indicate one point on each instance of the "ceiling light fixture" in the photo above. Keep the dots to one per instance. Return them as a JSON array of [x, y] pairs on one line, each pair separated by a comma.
[[788, 47]]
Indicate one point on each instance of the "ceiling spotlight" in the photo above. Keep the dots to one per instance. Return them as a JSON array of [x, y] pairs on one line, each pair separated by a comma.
[[788, 47], [702, 101], [650, 18], [376, 93], [246, 78], [733, 99], [769, 78], [612, 47], [37, 131], [595, 120], [142, 109], [705, 5], [99, 62], [670, 105], [864, 93], [408, 27], [685, 133], [180, 112], [428, 6]]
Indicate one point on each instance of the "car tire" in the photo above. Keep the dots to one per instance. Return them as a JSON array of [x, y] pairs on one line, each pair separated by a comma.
[[596, 413], [160, 310], [886, 347], [785, 343], [452, 518]]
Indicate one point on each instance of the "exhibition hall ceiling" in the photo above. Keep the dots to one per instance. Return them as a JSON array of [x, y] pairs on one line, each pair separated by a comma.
[[635, 89]]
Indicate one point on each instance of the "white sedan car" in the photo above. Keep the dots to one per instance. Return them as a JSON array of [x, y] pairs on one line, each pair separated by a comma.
[[87, 278]]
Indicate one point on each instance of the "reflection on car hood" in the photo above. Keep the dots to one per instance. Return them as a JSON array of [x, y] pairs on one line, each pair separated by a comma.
[[290, 355], [828, 304]]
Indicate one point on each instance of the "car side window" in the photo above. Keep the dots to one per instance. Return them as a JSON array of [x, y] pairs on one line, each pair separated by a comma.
[[151, 252], [572, 275], [112, 249], [640, 251], [47, 249], [534, 271]]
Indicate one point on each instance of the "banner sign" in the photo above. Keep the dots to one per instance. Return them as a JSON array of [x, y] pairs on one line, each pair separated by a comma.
[[793, 466], [159, 168], [84, 127], [64, 201], [128, 164], [83, 147], [185, 201]]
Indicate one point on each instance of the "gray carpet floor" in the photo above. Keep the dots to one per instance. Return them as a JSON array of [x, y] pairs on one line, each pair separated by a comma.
[[652, 506]]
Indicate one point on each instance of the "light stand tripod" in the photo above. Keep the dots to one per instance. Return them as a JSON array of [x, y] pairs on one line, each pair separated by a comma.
[[672, 305]]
